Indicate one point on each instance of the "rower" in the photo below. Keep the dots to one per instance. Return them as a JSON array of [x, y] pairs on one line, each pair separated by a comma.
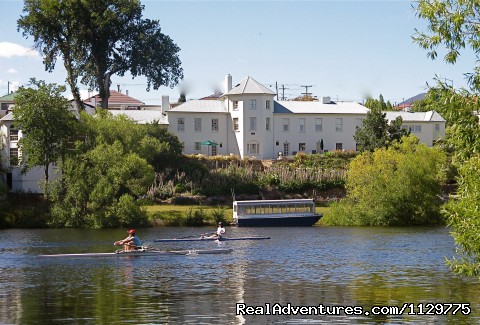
[[131, 243], [216, 235]]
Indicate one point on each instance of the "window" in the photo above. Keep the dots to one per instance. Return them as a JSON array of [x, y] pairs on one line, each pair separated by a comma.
[[339, 124], [235, 104], [197, 126], [13, 134], [437, 127], [215, 124], [286, 124], [214, 150], [197, 146], [235, 124], [358, 123], [417, 129], [286, 149], [252, 104], [14, 158], [267, 104], [253, 148], [253, 123], [301, 125], [181, 124], [267, 124], [338, 146], [301, 147], [4, 106], [318, 125]]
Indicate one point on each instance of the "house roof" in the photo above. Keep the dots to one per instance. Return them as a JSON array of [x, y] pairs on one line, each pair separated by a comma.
[[430, 116], [203, 106], [142, 116], [116, 99], [302, 107], [249, 86], [212, 96], [8, 98]]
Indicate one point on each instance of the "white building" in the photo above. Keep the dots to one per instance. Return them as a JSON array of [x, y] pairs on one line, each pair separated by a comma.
[[248, 122]]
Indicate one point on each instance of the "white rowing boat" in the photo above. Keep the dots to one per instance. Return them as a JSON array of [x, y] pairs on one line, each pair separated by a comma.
[[209, 239], [146, 252]]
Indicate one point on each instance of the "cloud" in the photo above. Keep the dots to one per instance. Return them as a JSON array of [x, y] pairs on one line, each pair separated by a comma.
[[8, 50], [12, 71]]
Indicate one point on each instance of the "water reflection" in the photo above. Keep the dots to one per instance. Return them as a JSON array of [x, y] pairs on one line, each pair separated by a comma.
[[302, 267]]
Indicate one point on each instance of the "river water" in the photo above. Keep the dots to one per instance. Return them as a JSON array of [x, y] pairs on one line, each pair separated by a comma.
[[316, 266]]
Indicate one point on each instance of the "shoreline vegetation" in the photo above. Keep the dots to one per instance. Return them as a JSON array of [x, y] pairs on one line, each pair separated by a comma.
[[194, 194]]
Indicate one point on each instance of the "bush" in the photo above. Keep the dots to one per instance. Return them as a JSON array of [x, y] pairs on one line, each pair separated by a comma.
[[195, 218]]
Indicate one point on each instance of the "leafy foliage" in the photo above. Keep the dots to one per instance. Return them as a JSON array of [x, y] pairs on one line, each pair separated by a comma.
[[376, 132], [453, 24], [98, 39], [378, 104], [108, 173], [47, 124], [463, 215], [393, 186]]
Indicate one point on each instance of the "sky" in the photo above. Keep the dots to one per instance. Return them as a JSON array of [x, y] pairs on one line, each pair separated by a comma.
[[348, 50]]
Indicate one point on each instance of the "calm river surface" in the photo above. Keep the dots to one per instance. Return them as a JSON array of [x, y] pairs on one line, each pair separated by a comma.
[[329, 266]]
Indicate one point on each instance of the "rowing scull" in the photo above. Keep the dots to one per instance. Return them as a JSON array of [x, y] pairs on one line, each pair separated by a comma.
[[145, 253], [209, 239]]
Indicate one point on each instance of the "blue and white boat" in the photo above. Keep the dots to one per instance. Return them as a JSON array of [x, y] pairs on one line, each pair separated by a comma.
[[275, 213]]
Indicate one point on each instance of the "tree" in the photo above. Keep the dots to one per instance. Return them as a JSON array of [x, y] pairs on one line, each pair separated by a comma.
[[463, 216], [376, 132], [378, 104], [395, 186], [98, 39], [47, 124], [453, 24]]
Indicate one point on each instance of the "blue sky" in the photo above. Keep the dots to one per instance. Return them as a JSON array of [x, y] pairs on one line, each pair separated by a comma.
[[348, 50]]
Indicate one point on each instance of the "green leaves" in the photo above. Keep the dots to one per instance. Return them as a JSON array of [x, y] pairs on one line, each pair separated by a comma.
[[393, 186], [47, 124], [98, 39]]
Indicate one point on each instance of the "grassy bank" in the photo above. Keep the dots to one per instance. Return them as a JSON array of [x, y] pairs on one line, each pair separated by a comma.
[[182, 215]]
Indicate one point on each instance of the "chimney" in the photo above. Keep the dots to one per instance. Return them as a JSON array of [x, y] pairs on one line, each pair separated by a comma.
[[228, 83], [165, 104], [126, 92], [326, 100]]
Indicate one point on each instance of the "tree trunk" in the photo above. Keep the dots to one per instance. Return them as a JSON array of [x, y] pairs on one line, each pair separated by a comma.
[[104, 91]]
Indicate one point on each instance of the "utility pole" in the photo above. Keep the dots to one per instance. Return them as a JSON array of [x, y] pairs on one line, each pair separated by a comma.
[[283, 91], [306, 93]]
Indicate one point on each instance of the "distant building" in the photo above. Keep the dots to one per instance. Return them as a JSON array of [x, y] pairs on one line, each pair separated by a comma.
[[6, 103]]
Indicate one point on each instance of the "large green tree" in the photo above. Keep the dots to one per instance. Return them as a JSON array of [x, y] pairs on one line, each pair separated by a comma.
[[46, 122], [376, 132], [110, 168], [99, 39], [395, 186], [453, 25]]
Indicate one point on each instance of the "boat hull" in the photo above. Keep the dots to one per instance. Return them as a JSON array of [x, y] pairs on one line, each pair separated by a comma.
[[208, 239], [305, 221], [145, 253]]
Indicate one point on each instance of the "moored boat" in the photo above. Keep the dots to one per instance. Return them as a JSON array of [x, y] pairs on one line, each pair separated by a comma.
[[209, 239], [145, 252], [275, 213]]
